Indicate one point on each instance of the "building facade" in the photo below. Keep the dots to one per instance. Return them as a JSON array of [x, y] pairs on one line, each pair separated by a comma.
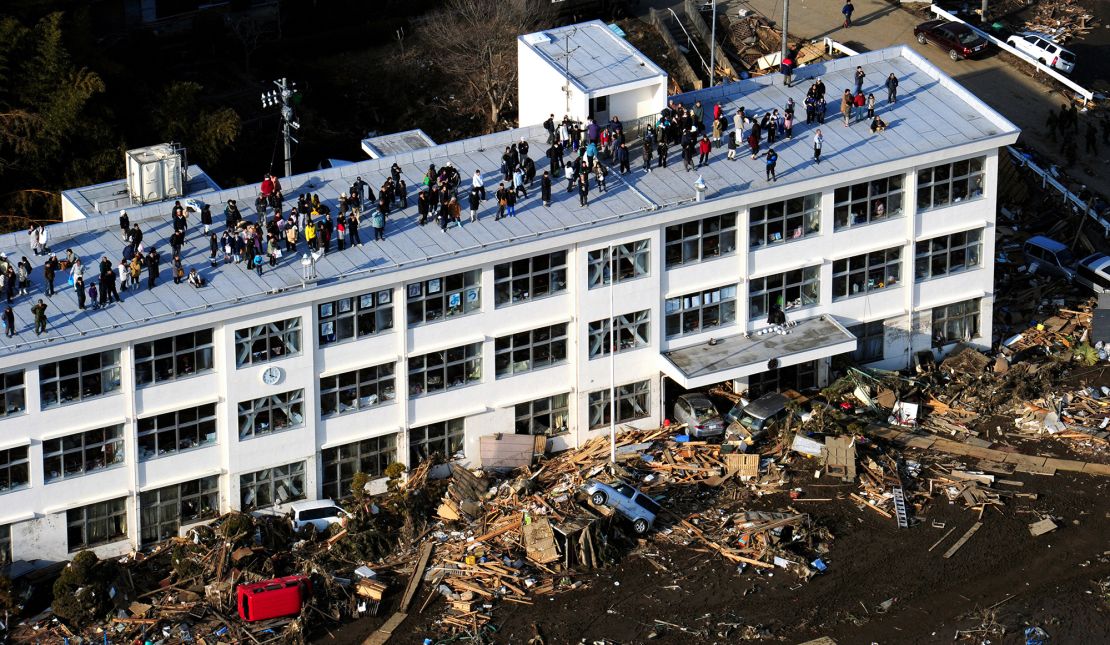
[[123, 437]]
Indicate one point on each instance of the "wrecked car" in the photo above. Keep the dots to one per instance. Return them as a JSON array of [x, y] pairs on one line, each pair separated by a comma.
[[637, 507]]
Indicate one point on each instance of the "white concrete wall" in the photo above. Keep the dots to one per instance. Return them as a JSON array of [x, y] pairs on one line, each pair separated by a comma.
[[638, 102], [540, 91]]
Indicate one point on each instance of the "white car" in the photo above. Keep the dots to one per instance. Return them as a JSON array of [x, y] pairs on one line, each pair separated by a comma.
[[1094, 272], [320, 513], [1041, 47]]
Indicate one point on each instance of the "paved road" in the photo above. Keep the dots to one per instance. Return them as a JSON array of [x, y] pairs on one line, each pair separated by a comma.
[[996, 79]]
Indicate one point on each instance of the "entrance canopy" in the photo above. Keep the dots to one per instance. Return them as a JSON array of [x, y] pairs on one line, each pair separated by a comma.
[[736, 356]]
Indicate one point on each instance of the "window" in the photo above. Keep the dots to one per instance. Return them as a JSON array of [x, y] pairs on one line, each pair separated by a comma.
[[633, 403], [957, 322], [13, 399], [5, 545], [162, 512], [529, 278], [779, 222], [633, 332], [79, 378], [630, 261], [793, 377], [370, 456], [948, 254], [700, 240], [530, 350], [868, 272], [869, 341], [441, 298], [444, 438], [95, 524], [177, 431], [445, 370], [949, 183], [270, 486], [15, 471], [357, 390], [268, 342], [173, 357], [271, 414], [546, 416], [83, 452], [700, 311], [790, 290], [350, 318], [867, 202]]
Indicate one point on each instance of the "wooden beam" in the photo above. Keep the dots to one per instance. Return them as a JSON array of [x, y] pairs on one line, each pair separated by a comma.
[[417, 576], [966, 536]]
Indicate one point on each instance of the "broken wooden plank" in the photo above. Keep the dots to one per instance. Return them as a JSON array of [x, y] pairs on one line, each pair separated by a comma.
[[417, 576], [959, 543], [1040, 528], [385, 632]]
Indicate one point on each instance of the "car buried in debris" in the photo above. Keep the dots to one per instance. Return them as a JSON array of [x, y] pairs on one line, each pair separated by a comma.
[[630, 503]]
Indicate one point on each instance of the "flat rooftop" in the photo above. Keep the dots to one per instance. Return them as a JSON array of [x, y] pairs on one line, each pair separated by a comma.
[[739, 355], [111, 196], [933, 113], [388, 145], [599, 58]]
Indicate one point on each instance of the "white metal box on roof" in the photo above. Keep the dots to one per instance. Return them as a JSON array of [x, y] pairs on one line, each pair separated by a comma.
[[155, 173]]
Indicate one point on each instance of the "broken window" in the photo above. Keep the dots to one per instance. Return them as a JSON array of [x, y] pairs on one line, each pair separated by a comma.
[[633, 402], [633, 332], [15, 471], [957, 322], [163, 511], [270, 486], [629, 261], [370, 456], [546, 416], [271, 414], [96, 524], [267, 342], [444, 438], [869, 341]]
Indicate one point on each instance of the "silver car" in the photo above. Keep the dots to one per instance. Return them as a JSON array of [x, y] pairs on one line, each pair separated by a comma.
[[626, 500], [697, 412]]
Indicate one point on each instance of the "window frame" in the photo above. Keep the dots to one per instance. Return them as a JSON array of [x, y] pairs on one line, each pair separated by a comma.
[[927, 259], [808, 276], [724, 302], [367, 314], [293, 401], [14, 465], [844, 214], [451, 432], [110, 444], [103, 372], [173, 500], [109, 512], [867, 334], [13, 393], [525, 415], [199, 352], [634, 327], [948, 181], [531, 342], [883, 260], [598, 403], [445, 360], [974, 311], [689, 242], [521, 276], [631, 261], [270, 478], [287, 332], [205, 419], [806, 209], [371, 377], [357, 457], [439, 292]]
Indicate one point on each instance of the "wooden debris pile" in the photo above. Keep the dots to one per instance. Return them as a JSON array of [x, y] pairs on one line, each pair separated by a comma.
[[1061, 19]]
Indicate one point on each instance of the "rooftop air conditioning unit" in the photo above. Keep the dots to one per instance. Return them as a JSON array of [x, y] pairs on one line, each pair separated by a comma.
[[155, 173]]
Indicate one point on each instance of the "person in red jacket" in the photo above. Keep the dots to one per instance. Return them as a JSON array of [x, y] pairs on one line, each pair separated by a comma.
[[267, 188], [703, 148]]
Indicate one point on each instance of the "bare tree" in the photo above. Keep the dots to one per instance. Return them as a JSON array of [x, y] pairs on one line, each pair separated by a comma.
[[474, 43]]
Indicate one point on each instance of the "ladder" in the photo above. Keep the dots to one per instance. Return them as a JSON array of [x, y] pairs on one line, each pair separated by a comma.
[[900, 508]]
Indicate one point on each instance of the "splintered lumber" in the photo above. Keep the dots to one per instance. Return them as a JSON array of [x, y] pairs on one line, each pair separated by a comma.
[[515, 524], [960, 542], [417, 576], [385, 632], [870, 505], [942, 538]]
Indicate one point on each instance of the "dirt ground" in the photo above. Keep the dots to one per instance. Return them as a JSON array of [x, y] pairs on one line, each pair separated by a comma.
[[1002, 578]]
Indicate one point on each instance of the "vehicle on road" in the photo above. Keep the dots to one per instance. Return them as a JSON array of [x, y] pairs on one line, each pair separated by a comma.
[[635, 506], [1051, 257], [959, 40], [320, 513], [697, 412], [1042, 48], [1094, 272]]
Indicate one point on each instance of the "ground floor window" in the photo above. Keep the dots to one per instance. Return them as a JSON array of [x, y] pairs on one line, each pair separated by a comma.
[[270, 486], [633, 402], [794, 377], [546, 416], [444, 438], [95, 524], [869, 341], [163, 511], [370, 456], [957, 322]]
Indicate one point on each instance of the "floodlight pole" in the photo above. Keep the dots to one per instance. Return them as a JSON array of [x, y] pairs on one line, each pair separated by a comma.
[[785, 26], [612, 361], [284, 95], [713, 45]]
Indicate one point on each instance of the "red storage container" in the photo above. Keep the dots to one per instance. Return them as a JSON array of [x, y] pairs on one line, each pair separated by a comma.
[[273, 598]]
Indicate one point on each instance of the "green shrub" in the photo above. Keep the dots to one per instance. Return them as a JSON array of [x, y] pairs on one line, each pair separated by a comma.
[[82, 593]]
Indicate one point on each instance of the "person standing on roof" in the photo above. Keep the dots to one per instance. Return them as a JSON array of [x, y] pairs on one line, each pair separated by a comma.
[[583, 189], [152, 262], [891, 88], [846, 104], [703, 149], [545, 193], [9, 321], [818, 141], [622, 159], [39, 312], [787, 69], [859, 76], [772, 159], [847, 10], [124, 224]]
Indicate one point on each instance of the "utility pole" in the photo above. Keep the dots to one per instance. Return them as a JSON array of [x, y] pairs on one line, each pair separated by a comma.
[[612, 359], [713, 45], [983, 18], [567, 51], [284, 96], [785, 26]]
